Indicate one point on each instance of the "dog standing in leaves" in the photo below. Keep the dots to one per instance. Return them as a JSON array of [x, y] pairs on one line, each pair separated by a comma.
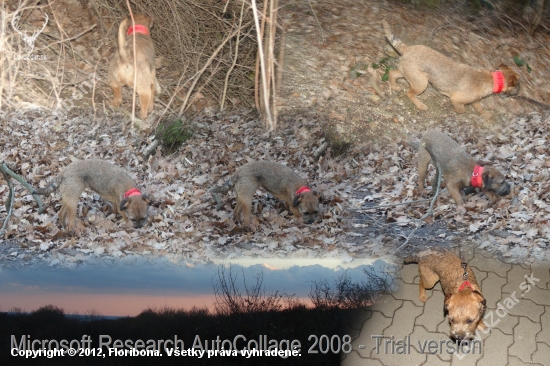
[[463, 84], [108, 180], [459, 169], [121, 69], [279, 180]]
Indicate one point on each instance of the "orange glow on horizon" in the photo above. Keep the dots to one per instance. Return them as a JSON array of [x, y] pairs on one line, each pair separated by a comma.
[[107, 304]]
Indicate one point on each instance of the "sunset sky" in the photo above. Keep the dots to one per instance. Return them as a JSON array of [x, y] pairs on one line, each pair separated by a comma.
[[127, 289]]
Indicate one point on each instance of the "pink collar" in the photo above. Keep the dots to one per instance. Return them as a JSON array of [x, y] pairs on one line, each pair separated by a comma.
[[138, 28], [498, 81], [132, 192], [464, 284], [302, 189], [477, 177]]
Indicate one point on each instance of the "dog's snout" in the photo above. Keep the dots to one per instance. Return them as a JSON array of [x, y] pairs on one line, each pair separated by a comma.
[[504, 190], [458, 338]]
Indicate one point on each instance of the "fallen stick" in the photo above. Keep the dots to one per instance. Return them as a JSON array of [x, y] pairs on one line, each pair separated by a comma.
[[8, 174]]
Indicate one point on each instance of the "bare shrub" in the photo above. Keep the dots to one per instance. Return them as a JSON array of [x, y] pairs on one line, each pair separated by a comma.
[[231, 299], [346, 294]]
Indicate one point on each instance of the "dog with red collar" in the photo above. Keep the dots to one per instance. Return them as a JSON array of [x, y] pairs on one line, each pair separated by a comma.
[[464, 303], [459, 170], [279, 180], [108, 180], [121, 69], [463, 84]]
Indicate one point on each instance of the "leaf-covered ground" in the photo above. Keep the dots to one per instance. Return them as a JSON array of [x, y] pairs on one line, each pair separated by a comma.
[[186, 225], [331, 85]]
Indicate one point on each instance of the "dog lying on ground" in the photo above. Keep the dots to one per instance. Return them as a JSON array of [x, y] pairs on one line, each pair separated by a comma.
[[279, 180], [464, 302], [108, 180], [121, 69], [463, 84], [459, 169]]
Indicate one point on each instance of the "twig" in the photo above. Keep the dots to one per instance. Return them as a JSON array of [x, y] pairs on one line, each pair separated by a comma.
[[430, 209], [271, 56], [396, 204], [149, 149], [317, 20], [8, 174], [321, 149], [94, 82], [263, 66], [135, 65], [259, 105], [199, 73], [68, 39], [9, 202], [234, 59], [4, 169]]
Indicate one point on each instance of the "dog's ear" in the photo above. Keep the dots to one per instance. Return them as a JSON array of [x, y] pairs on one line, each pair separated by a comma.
[[446, 306], [487, 179], [146, 198], [123, 204], [482, 301], [151, 22], [297, 200]]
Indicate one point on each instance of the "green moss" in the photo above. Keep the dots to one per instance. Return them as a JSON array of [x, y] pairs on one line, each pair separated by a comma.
[[173, 133]]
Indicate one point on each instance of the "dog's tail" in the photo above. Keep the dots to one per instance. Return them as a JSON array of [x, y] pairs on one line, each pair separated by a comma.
[[52, 186], [394, 41], [411, 259], [123, 47], [223, 189]]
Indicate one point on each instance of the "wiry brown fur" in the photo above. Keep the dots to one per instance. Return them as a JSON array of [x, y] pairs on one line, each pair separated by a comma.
[[106, 179], [466, 307], [463, 84], [121, 69], [457, 168], [279, 180]]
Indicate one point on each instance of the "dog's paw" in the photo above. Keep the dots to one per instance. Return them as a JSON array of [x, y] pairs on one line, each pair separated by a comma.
[[423, 297], [488, 116], [422, 106]]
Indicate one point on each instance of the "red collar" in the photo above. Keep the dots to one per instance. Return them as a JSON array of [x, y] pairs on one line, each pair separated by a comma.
[[132, 192], [498, 81], [138, 28], [464, 284], [302, 189], [477, 177]]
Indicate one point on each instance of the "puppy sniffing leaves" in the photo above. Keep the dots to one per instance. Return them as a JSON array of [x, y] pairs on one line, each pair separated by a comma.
[[279, 180], [463, 84], [121, 68], [108, 180], [464, 303], [459, 169]]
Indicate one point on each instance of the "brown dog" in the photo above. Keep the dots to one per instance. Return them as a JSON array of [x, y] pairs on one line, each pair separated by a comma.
[[463, 300], [121, 69], [458, 168], [279, 180], [108, 180], [463, 84]]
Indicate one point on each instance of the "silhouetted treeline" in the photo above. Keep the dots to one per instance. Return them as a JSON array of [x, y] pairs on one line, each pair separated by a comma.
[[296, 323]]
